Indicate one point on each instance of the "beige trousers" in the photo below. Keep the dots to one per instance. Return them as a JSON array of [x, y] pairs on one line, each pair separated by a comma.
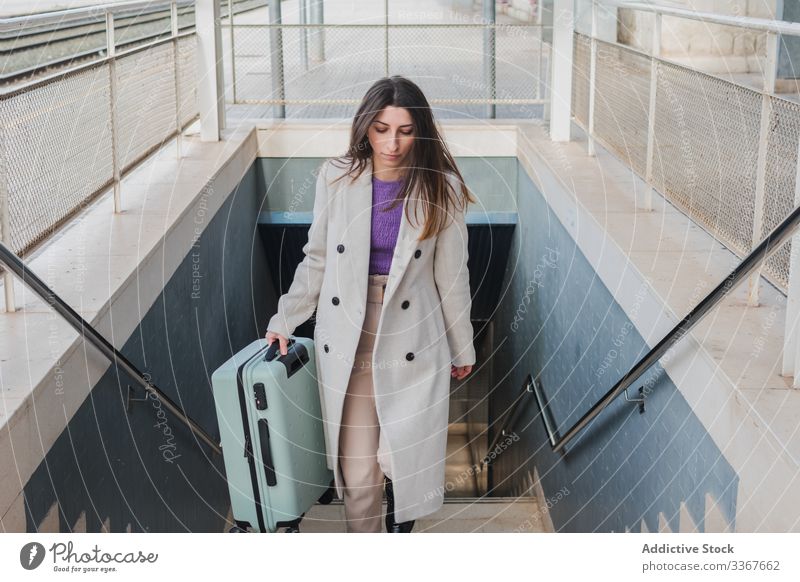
[[362, 453]]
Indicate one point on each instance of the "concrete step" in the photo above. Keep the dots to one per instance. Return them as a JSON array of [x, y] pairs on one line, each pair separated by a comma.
[[457, 515]]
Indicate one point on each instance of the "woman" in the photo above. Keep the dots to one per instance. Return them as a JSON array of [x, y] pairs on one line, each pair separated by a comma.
[[393, 303]]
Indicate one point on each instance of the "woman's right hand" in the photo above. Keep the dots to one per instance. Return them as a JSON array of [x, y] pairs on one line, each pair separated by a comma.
[[284, 342]]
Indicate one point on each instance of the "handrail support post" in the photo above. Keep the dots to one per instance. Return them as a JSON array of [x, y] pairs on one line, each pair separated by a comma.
[[647, 203], [639, 401], [590, 147], [5, 224], [210, 80], [8, 279], [111, 51], [173, 12], [770, 75], [561, 67], [791, 333]]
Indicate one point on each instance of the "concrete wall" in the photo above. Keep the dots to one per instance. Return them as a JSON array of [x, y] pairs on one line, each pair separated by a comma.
[[143, 471], [289, 182], [606, 20], [523, 10], [789, 55], [713, 48], [655, 471]]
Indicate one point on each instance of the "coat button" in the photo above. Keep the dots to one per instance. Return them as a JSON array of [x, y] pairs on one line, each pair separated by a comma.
[[340, 248], [405, 305], [410, 356], [335, 300], [417, 253], [326, 348]]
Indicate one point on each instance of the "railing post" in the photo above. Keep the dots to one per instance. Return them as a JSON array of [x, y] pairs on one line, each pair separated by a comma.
[[276, 57], [592, 81], [385, 38], [561, 85], [317, 36], [540, 70], [5, 225], [791, 341], [210, 86], [303, 33], [647, 203], [770, 74], [489, 56], [792, 324], [173, 10], [111, 49], [231, 32]]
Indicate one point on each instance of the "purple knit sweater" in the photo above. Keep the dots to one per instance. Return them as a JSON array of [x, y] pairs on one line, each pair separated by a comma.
[[385, 225]]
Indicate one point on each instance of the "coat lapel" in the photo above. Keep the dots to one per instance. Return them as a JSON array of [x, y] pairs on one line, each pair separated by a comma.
[[359, 213]]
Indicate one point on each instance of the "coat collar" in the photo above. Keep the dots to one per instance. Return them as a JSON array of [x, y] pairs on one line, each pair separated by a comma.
[[358, 201]]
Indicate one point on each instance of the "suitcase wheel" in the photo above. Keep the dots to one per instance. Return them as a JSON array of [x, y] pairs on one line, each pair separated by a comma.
[[327, 497], [240, 527], [292, 526]]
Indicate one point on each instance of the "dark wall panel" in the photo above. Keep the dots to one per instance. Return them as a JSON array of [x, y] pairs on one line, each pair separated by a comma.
[[143, 470], [558, 319]]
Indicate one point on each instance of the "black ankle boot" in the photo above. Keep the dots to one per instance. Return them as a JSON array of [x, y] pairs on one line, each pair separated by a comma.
[[391, 525]]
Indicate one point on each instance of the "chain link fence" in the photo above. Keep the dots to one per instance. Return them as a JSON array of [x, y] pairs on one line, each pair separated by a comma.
[[710, 139], [57, 152], [581, 60], [326, 68], [622, 96], [62, 136], [706, 147], [781, 167]]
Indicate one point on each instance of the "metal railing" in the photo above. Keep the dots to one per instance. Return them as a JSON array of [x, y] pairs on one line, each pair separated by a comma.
[[70, 136], [37, 43], [779, 236], [722, 152], [16, 267], [476, 64], [509, 422], [40, 43]]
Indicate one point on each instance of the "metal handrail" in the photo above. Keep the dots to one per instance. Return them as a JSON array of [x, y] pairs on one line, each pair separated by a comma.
[[777, 237], [510, 421], [82, 68], [409, 25], [15, 265], [751, 22]]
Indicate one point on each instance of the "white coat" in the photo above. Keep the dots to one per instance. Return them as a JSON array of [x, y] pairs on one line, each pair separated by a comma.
[[415, 345]]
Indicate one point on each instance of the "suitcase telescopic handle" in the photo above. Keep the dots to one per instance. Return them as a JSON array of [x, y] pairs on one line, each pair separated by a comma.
[[274, 349], [296, 356]]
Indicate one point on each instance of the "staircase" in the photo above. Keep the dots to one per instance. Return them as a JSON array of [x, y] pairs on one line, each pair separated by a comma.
[[457, 515]]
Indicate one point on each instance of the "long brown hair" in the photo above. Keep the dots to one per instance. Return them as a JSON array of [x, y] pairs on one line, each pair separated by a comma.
[[430, 160]]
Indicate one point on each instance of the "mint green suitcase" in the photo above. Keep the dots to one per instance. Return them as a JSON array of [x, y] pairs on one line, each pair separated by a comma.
[[270, 422]]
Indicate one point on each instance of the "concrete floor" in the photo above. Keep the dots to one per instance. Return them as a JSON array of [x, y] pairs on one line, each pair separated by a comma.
[[355, 58], [500, 515]]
